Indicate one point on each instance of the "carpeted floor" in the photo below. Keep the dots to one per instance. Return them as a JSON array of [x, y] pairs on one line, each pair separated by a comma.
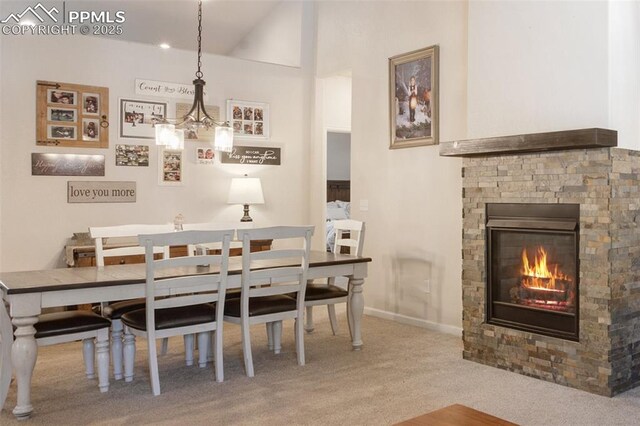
[[402, 372]]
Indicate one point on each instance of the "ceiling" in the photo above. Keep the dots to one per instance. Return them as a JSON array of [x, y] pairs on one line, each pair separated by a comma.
[[225, 22]]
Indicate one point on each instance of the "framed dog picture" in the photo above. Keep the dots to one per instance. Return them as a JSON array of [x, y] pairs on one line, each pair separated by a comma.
[[413, 98]]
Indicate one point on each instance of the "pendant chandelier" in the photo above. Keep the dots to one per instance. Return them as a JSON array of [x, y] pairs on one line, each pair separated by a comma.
[[170, 132]]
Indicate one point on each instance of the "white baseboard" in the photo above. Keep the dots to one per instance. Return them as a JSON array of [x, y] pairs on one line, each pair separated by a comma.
[[418, 322]]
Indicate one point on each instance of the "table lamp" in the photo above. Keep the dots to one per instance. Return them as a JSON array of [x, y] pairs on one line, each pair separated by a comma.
[[245, 190]]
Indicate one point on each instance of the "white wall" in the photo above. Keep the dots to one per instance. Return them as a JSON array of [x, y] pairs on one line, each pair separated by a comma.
[[2, 128], [414, 216], [624, 71], [35, 217], [537, 66], [277, 39], [338, 156]]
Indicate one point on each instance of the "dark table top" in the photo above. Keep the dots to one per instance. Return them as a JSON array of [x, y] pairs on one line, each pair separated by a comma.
[[88, 277]]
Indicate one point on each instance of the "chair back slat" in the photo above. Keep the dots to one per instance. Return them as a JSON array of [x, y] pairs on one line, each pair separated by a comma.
[[294, 271], [283, 232], [99, 233], [273, 290], [214, 226], [185, 261], [185, 284], [277, 254], [356, 230], [127, 230], [171, 276], [280, 274], [193, 299]]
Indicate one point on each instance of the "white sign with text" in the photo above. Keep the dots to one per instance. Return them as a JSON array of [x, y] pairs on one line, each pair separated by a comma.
[[101, 192], [166, 89]]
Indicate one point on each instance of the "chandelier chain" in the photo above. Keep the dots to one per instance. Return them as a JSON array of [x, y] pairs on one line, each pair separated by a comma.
[[199, 73]]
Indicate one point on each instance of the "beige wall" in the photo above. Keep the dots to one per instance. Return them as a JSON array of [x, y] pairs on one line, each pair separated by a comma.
[[545, 66], [277, 39], [414, 215], [624, 69], [36, 219], [1, 139], [537, 66]]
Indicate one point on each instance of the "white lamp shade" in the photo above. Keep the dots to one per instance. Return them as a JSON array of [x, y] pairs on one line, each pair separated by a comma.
[[245, 191], [164, 133], [223, 139]]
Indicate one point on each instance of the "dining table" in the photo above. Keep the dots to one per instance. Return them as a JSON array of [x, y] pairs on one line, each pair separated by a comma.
[[27, 293]]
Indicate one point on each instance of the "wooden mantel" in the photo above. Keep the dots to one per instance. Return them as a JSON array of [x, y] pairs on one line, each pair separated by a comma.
[[532, 142]]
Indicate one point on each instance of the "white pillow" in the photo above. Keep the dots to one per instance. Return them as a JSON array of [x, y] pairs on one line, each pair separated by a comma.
[[345, 205], [336, 213]]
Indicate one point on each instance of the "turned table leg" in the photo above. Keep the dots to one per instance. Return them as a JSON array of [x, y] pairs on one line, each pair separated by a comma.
[[6, 340], [23, 355], [356, 309]]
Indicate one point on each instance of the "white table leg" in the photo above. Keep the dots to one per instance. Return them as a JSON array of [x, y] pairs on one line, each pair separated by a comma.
[[356, 309], [6, 340], [23, 355]]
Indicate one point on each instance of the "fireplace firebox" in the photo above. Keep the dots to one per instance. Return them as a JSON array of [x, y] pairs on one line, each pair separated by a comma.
[[533, 267]]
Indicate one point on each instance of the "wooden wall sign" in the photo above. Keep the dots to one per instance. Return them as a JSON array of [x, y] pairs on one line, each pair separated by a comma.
[[253, 155], [66, 165], [101, 192], [72, 115], [166, 89]]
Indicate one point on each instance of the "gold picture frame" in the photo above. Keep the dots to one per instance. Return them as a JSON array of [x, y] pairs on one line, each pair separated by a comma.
[[413, 98], [72, 115]]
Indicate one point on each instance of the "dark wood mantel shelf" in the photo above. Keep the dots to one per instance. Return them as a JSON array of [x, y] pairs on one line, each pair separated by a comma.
[[533, 142]]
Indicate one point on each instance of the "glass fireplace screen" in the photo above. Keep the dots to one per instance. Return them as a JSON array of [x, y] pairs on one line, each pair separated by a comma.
[[533, 267]]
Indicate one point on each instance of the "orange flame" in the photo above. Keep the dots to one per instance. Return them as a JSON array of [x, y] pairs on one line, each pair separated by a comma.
[[539, 275]]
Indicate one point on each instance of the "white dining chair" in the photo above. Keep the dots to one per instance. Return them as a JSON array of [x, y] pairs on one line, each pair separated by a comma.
[[127, 238], [265, 296], [330, 293], [196, 302]]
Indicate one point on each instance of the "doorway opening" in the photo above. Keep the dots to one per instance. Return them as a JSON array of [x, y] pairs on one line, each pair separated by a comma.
[[338, 181]]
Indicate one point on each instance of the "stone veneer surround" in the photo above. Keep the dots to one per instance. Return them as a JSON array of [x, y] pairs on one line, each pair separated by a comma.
[[606, 184]]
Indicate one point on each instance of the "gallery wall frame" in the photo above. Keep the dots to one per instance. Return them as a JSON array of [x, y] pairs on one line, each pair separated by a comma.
[[92, 191], [252, 155], [202, 134], [132, 155], [170, 167], [72, 115], [138, 118], [54, 164], [250, 120]]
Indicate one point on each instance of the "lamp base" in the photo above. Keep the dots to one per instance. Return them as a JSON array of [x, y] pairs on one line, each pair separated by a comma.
[[246, 217]]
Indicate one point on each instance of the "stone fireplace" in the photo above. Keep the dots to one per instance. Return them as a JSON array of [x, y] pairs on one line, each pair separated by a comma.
[[561, 301]]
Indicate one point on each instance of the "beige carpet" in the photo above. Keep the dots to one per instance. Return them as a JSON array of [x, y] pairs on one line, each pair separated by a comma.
[[402, 372]]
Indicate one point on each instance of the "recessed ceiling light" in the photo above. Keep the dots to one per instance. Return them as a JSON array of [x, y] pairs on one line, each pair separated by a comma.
[[165, 46], [27, 23]]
